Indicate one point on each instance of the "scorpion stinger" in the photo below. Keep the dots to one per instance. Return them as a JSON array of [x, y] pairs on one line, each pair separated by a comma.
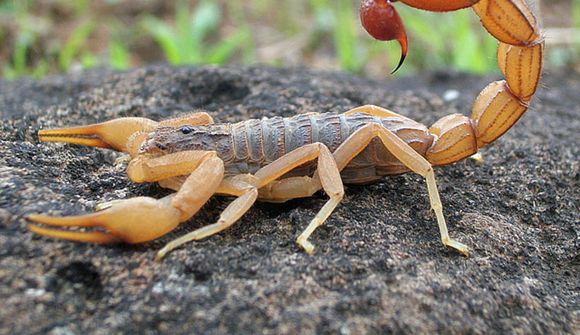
[[381, 21]]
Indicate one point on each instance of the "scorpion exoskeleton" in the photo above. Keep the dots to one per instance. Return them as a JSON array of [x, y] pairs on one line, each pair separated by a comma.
[[279, 159]]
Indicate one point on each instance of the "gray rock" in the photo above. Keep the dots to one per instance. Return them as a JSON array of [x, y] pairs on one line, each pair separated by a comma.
[[379, 266]]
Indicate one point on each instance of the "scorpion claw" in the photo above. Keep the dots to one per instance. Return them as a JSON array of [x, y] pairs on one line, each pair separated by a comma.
[[90, 237], [133, 220], [115, 134]]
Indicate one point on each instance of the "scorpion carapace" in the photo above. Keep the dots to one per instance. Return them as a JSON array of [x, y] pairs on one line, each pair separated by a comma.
[[285, 158]]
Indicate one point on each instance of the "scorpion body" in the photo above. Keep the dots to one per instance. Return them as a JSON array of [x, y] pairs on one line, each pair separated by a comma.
[[247, 146], [279, 159]]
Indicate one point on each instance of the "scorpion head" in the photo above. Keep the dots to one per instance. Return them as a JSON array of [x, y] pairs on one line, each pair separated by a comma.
[[169, 139], [155, 143]]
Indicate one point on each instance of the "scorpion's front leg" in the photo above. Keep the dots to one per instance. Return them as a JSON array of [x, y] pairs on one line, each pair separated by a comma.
[[142, 219], [246, 193], [246, 187]]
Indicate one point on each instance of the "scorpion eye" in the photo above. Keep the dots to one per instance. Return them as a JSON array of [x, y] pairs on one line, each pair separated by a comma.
[[186, 130]]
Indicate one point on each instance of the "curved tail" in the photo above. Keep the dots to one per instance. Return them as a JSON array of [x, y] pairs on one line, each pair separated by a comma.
[[501, 104]]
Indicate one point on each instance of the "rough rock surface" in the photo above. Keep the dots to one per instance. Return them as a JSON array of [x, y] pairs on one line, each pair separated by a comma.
[[379, 266]]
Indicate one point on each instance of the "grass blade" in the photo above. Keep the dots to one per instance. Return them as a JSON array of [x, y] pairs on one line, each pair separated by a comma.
[[73, 45]]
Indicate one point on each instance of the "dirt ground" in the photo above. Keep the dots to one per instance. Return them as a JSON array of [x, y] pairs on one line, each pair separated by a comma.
[[379, 266]]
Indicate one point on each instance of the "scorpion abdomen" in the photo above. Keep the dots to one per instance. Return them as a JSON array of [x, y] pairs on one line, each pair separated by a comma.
[[257, 143]]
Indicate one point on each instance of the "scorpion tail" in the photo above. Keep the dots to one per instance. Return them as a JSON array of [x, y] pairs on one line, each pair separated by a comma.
[[500, 105]]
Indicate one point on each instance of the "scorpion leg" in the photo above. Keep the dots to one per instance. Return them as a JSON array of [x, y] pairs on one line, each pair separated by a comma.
[[404, 153], [246, 196], [290, 188], [240, 186], [142, 219], [327, 172], [374, 111], [297, 187], [246, 188], [172, 183]]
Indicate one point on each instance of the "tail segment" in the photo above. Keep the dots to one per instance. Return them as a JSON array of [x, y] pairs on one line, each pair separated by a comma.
[[500, 105]]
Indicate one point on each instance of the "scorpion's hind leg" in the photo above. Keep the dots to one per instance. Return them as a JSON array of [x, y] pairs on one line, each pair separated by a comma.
[[409, 157], [143, 219], [374, 111]]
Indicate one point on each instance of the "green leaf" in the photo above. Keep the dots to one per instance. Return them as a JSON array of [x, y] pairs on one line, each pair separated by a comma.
[[224, 50], [165, 37], [74, 44], [345, 37], [119, 56], [24, 42], [206, 19]]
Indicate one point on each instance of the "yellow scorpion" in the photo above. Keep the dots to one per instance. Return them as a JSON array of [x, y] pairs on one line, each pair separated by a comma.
[[279, 159]]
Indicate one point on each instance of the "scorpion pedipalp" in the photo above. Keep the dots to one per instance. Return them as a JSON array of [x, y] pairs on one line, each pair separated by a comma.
[[141, 219], [114, 134], [133, 221]]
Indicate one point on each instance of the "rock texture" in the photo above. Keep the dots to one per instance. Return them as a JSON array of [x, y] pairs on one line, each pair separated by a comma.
[[379, 266]]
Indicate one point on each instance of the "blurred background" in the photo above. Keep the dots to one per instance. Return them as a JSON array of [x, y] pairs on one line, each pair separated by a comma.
[[43, 37]]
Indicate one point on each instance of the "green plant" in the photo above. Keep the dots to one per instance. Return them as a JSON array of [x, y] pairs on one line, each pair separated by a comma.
[[23, 42], [73, 47], [222, 31], [454, 40], [119, 56], [345, 37], [186, 43]]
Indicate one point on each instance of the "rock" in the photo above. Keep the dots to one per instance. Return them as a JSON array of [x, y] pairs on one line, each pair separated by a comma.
[[378, 267]]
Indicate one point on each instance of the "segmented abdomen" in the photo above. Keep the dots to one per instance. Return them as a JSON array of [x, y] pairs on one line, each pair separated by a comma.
[[259, 142]]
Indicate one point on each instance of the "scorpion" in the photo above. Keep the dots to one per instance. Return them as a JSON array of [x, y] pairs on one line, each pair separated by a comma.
[[279, 159]]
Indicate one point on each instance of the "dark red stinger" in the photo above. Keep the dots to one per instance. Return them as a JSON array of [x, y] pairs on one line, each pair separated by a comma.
[[381, 21]]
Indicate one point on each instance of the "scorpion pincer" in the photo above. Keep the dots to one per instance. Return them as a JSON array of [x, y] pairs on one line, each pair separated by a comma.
[[279, 159]]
